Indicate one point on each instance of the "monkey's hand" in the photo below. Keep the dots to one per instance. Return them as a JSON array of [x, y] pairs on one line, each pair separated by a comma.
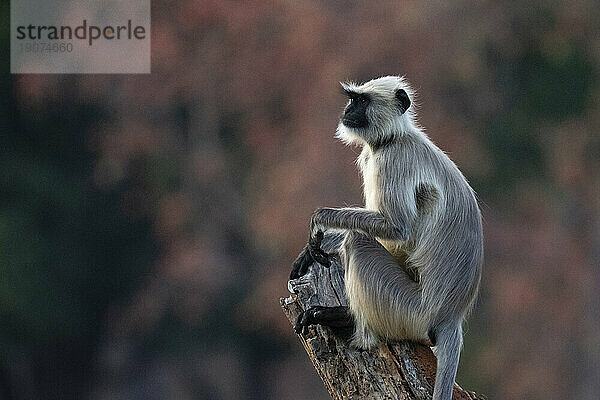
[[315, 250], [312, 252]]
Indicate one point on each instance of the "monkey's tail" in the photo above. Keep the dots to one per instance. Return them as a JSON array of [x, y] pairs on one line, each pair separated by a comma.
[[449, 344]]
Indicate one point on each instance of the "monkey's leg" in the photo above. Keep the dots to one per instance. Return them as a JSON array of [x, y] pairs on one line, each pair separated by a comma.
[[385, 301], [339, 318]]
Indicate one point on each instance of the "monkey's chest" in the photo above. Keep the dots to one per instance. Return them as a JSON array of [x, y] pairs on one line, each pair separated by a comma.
[[371, 186]]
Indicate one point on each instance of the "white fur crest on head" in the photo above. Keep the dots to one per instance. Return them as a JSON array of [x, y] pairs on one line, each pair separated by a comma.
[[385, 83], [384, 88]]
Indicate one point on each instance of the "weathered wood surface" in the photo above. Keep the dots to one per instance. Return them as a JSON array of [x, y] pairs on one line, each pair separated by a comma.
[[401, 370]]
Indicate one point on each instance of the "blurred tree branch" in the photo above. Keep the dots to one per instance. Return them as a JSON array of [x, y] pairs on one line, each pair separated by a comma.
[[401, 370]]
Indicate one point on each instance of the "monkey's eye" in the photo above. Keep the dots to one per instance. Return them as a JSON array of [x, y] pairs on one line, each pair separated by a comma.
[[361, 99]]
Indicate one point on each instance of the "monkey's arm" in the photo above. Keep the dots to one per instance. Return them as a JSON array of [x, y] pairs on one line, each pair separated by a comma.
[[370, 222]]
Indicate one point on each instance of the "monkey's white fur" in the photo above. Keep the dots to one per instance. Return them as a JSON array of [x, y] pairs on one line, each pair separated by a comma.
[[384, 120], [420, 216]]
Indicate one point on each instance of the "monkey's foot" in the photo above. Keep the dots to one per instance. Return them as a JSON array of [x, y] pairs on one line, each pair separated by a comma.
[[312, 252], [339, 318]]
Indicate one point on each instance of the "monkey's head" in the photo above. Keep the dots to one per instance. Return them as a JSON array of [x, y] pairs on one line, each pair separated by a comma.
[[377, 111]]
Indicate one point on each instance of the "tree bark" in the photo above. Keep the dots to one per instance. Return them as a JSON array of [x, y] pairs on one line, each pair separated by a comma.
[[400, 370]]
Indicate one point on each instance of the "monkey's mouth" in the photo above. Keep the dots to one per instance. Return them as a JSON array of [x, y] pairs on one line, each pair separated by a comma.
[[351, 123]]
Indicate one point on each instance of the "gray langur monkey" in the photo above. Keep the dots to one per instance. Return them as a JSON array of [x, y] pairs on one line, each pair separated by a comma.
[[413, 255]]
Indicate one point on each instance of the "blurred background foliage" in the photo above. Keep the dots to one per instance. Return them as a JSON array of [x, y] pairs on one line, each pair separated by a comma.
[[148, 222]]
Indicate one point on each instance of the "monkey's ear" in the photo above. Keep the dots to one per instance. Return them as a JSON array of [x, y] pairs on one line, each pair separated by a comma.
[[403, 99]]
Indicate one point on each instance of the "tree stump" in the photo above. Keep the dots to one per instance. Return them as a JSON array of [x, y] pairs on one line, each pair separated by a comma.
[[400, 370]]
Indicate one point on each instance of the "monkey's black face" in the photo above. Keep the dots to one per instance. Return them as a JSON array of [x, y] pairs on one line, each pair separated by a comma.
[[355, 114], [374, 115]]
